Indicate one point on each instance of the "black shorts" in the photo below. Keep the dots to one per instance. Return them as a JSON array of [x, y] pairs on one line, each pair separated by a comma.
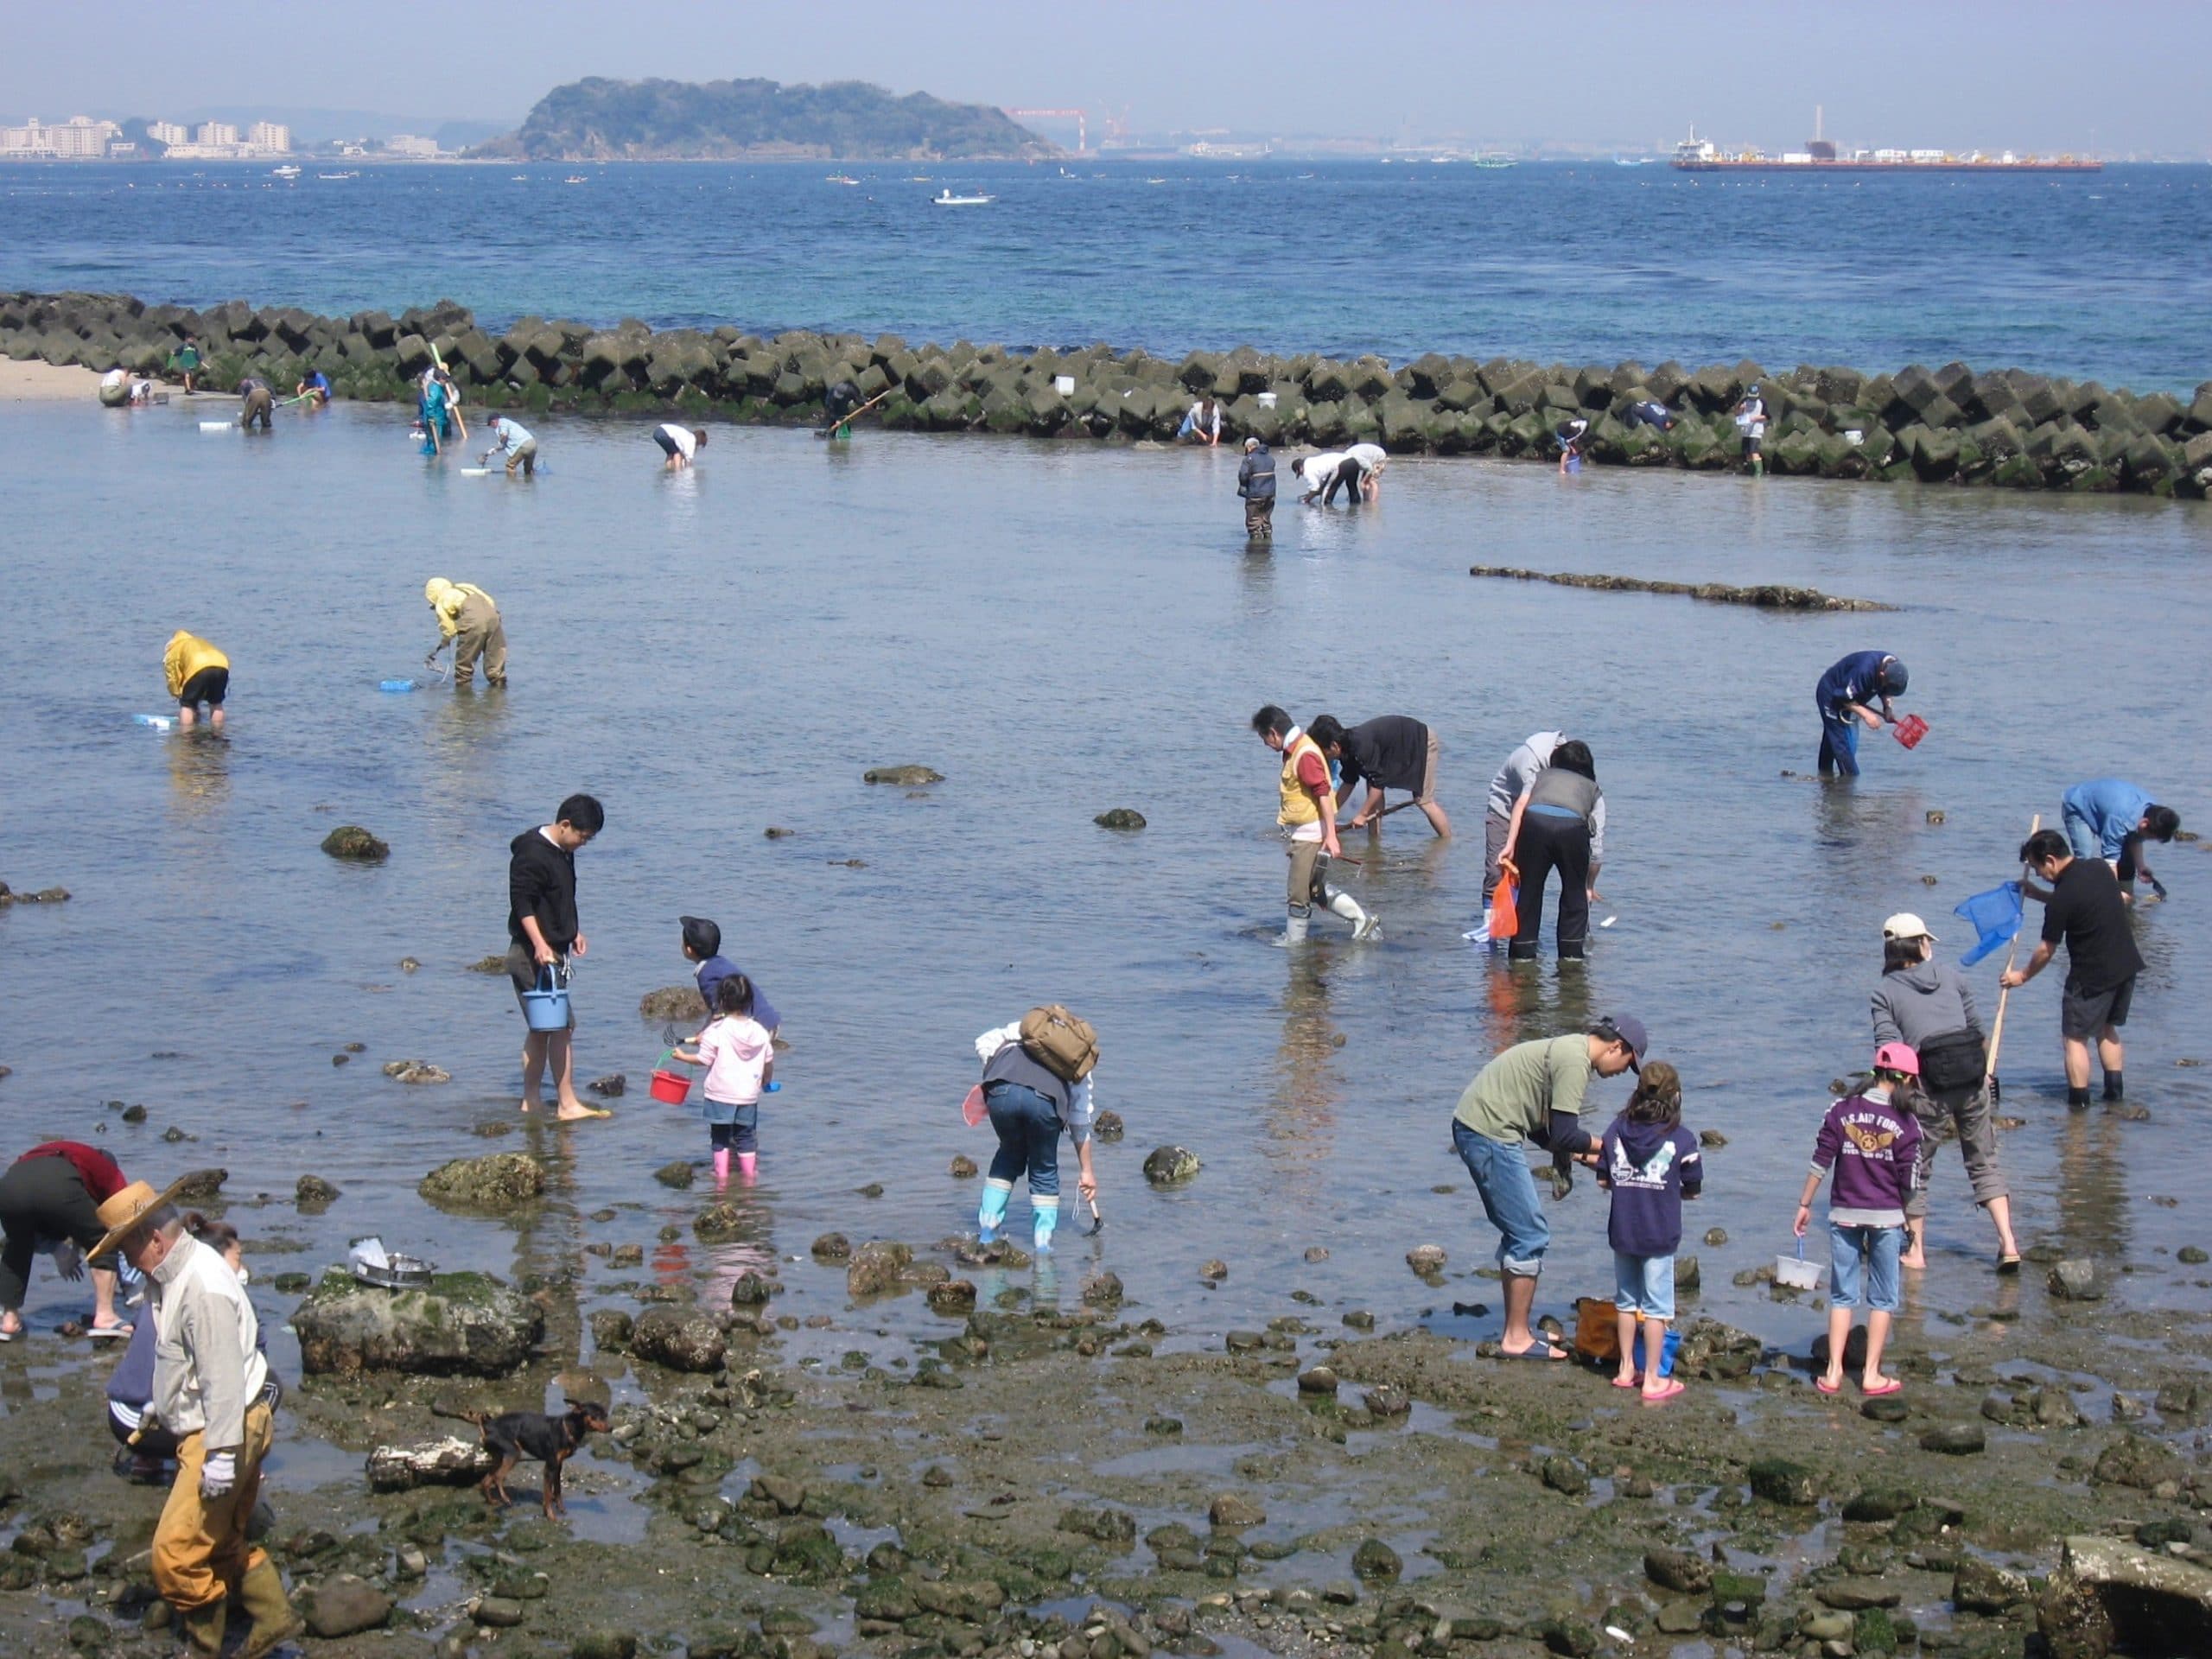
[[668, 445], [2083, 1015], [209, 685]]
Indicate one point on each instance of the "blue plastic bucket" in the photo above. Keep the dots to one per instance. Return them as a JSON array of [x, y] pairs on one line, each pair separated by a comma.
[[1666, 1347], [395, 685], [546, 1006]]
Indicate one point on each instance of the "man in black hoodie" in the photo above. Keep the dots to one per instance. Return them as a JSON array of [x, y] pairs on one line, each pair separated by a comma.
[[544, 932], [1255, 482]]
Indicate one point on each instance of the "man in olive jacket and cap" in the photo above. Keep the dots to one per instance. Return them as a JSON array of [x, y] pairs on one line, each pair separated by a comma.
[[212, 1392]]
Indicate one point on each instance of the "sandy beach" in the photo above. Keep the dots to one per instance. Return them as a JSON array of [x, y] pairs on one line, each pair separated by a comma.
[[44, 383]]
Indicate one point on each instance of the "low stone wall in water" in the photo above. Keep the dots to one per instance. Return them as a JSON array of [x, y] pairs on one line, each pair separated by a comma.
[[1952, 425]]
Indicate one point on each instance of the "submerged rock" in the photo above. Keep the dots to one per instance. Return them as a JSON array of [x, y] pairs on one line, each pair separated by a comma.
[[1767, 596], [1108, 1126], [902, 777], [2076, 1280], [877, 1267], [1427, 1259], [465, 1325], [1170, 1165], [201, 1185], [832, 1247], [496, 1181], [313, 1192], [677, 1002], [493, 964], [1119, 817], [679, 1175], [611, 1086], [351, 842], [416, 1072]]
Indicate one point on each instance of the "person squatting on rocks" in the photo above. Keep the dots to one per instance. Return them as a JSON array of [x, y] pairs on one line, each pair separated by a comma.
[[1255, 482], [49, 1205], [1202, 424], [1031, 1100], [741, 1059], [1390, 752], [313, 387], [468, 620], [515, 441], [1845, 696], [1569, 435], [2083, 906], [1928, 1007], [212, 1392], [1871, 1140], [1559, 823], [545, 932], [2111, 818], [197, 673], [1534, 1091], [1650, 1163], [1308, 812], [680, 444]]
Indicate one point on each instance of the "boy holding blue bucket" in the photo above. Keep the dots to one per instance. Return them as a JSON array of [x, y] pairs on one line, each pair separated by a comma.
[[544, 932]]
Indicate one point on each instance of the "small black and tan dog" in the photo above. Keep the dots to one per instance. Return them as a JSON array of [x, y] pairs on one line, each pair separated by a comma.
[[513, 1436]]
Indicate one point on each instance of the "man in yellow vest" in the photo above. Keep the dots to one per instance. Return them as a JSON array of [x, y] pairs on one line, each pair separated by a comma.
[[470, 622], [197, 673], [1308, 812]]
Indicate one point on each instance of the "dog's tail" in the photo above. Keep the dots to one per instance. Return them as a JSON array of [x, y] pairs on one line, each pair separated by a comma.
[[440, 1408]]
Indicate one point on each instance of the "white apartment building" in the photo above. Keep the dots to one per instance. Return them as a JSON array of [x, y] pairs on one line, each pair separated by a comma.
[[167, 132], [79, 138], [406, 143], [272, 137], [216, 135]]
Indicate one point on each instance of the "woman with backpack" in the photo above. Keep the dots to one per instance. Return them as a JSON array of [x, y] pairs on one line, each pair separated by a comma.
[[1928, 1006], [1036, 1084]]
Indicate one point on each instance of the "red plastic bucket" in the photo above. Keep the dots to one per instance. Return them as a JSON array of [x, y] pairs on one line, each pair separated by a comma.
[[1909, 730], [671, 1087]]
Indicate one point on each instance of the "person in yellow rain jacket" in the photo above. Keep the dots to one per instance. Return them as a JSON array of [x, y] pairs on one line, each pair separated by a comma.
[[469, 620], [198, 673]]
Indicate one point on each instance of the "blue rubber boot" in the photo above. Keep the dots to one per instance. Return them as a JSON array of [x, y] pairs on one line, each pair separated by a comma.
[[1047, 1214], [991, 1215]]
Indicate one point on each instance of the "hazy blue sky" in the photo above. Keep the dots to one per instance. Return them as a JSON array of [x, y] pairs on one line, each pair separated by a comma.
[[2038, 74]]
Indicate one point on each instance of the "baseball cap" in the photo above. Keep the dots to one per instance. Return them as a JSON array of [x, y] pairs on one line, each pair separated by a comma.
[[701, 936], [1896, 1057], [1626, 1028], [1906, 926], [1894, 678]]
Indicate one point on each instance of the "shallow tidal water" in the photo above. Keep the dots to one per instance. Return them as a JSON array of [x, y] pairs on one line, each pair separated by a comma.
[[1058, 631]]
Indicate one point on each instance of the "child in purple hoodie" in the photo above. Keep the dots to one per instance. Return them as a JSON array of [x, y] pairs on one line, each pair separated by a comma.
[[1872, 1139], [1650, 1163]]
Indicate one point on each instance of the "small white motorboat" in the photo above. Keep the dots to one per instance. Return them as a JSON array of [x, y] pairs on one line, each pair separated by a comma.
[[945, 199], [288, 171]]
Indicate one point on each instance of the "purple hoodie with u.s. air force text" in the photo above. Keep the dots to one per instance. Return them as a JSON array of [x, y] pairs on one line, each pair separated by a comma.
[[1651, 1168], [1871, 1144]]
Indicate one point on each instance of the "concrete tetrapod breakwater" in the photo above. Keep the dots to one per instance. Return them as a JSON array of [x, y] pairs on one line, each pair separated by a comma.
[[2006, 427]]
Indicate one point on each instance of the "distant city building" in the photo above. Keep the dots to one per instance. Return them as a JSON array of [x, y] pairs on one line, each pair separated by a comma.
[[167, 132], [216, 135], [79, 138], [406, 143], [271, 137]]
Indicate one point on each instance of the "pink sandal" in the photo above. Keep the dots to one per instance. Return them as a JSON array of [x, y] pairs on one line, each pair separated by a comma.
[[1674, 1385]]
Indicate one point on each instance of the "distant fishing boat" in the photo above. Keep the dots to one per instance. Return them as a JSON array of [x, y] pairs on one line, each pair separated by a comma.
[[575, 178], [284, 172], [335, 177], [841, 178], [1494, 163], [945, 199]]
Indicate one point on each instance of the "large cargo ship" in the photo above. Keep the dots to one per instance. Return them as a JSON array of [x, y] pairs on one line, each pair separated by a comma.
[[1696, 154]]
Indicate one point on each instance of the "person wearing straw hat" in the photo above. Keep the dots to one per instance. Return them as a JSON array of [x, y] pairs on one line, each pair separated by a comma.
[[212, 1393], [1928, 1007], [49, 1201]]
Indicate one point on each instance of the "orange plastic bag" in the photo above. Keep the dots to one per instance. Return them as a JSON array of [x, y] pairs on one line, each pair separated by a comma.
[[1505, 901]]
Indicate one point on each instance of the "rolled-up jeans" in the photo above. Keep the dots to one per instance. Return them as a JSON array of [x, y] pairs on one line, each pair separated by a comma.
[[1508, 1190]]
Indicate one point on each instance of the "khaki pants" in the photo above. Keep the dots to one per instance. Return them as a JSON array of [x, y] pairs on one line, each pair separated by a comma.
[[1259, 520], [200, 1547], [479, 637], [1309, 873]]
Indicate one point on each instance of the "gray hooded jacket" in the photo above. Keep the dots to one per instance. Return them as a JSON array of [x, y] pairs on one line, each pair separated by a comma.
[[1926, 1000]]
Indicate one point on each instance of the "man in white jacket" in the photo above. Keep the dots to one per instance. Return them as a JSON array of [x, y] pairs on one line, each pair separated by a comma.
[[212, 1393]]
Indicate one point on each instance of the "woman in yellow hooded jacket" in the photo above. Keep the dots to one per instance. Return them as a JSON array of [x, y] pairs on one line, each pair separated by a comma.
[[197, 673], [470, 622]]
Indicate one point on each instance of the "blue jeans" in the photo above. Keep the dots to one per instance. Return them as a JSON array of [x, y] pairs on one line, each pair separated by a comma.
[[1508, 1190], [1645, 1285], [2081, 836], [1864, 1259], [1839, 742], [1028, 1126]]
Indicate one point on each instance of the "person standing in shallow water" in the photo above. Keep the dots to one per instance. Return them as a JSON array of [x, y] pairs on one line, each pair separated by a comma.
[[1308, 814], [1845, 696], [197, 673], [544, 932], [2084, 907], [1255, 482]]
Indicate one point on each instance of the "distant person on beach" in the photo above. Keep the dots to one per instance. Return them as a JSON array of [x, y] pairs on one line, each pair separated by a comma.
[[1390, 752], [115, 389], [2111, 819], [469, 622], [1928, 1007], [1558, 823], [314, 386], [741, 1059], [1845, 695], [514, 439], [1872, 1141], [1202, 424], [186, 362], [437, 424], [702, 949], [1751, 420], [451, 387], [197, 673], [545, 932], [1309, 815], [1366, 483], [1534, 1091], [49, 1204], [1651, 413], [1255, 482], [1315, 472], [1569, 435], [257, 403], [2084, 908], [1507, 786], [837, 406], [679, 443]]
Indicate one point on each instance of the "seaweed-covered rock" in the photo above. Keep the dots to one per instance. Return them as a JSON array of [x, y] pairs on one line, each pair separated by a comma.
[[313, 1192], [877, 1267], [1119, 817], [464, 1325], [201, 1185], [902, 777], [351, 842], [1780, 1481], [496, 1181], [677, 1002], [1376, 1562], [1170, 1165], [683, 1340]]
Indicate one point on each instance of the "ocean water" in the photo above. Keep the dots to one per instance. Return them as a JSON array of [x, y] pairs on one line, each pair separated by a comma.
[[1058, 632], [2103, 275]]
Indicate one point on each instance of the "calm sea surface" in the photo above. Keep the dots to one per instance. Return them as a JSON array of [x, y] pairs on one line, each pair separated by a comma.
[[2105, 275], [1058, 630]]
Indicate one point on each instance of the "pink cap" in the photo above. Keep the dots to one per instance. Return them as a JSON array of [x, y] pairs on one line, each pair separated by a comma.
[[1896, 1057]]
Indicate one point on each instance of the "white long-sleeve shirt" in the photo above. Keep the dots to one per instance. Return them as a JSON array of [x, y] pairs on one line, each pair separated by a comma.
[[207, 1362]]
